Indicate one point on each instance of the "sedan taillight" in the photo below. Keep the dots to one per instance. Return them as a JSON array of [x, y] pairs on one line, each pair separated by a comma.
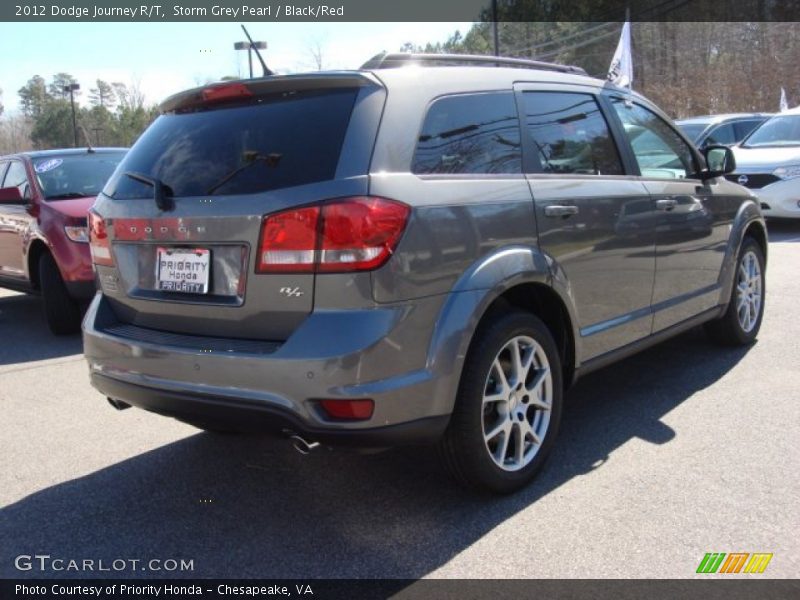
[[343, 235]]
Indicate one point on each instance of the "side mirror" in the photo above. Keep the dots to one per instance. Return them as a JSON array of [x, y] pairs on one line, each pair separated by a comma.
[[719, 160], [11, 195]]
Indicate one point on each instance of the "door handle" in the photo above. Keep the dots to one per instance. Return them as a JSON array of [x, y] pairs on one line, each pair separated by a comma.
[[666, 204], [560, 210]]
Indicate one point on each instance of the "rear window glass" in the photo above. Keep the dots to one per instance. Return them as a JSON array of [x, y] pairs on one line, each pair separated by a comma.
[[471, 133], [281, 141], [75, 176]]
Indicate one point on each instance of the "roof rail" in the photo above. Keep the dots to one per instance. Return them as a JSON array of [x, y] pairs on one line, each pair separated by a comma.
[[389, 61]]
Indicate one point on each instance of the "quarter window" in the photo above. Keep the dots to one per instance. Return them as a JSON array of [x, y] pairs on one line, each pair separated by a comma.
[[660, 152], [470, 133], [570, 134], [17, 177]]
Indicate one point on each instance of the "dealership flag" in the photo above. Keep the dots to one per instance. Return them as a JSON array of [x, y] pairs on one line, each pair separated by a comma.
[[784, 101], [621, 70]]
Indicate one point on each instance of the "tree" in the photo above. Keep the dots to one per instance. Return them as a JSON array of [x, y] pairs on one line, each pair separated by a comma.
[[33, 96], [59, 82], [102, 95], [316, 52], [1, 102], [53, 126]]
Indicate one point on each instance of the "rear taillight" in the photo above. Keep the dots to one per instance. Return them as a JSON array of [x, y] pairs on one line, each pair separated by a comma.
[[350, 234], [98, 241]]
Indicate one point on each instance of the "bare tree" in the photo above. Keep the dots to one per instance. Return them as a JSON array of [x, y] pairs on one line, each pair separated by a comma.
[[315, 49]]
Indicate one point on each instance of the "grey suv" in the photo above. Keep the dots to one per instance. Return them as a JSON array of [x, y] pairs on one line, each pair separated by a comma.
[[410, 255]]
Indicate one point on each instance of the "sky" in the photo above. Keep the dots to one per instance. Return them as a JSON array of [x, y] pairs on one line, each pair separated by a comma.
[[169, 57]]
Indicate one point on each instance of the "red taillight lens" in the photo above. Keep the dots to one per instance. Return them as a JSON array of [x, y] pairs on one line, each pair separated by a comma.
[[99, 243], [289, 241], [349, 410], [359, 234], [221, 93], [355, 234]]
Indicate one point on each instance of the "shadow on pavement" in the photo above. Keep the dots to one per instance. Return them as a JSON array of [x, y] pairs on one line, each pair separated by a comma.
[[24, 336], [249, 507], [783, 230]]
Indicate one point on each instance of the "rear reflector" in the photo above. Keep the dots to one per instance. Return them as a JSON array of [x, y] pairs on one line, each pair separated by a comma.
[[350, 410], [349, 234], [99, 243]]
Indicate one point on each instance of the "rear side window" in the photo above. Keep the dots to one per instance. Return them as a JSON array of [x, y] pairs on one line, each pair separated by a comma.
[[570, 134], [277, 142], [470, 133], [743, 128], [723, 134]]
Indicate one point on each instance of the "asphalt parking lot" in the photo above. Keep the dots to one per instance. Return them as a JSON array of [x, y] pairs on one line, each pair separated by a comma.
[[679, 451]]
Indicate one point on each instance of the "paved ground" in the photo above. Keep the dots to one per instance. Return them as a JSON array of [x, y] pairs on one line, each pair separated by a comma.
[[682, 450]]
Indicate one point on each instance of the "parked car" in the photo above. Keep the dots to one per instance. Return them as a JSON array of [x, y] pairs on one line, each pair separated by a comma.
[[726, 130], [768, 162], [44, 243], [396, 255]]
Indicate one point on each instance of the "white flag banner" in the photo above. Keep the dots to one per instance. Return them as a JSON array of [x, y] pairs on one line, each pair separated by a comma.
[[621, 70], [784, 101]]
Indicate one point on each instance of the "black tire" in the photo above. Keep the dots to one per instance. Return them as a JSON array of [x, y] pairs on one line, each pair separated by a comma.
[[465, 452], [62, 312], [728, 330]]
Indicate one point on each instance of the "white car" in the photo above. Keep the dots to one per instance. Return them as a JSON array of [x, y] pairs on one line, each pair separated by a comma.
[[768, 162]]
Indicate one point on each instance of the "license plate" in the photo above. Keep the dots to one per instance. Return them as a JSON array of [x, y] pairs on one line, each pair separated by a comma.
[[183, 270]]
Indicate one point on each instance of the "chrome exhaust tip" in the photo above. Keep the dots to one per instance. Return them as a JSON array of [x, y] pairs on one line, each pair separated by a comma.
[[118, 404], [302, 445]]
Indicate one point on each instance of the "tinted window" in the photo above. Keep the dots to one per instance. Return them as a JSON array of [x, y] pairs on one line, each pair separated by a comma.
[[660, 152], [472, 133], [743, 128], [570, 134], [3, 167], [277, 142], [778, 131], [73, 176], [723, 134], [17, 177], [693, 130]]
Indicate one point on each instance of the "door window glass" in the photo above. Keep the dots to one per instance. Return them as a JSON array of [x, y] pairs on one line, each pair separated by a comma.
[[660, 152], [570, 134]]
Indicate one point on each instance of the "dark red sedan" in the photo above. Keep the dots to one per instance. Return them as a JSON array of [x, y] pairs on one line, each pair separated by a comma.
[[44, 200]]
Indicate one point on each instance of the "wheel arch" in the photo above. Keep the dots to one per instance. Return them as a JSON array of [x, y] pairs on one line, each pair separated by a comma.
[[518, 278], [748, 222], [35, 251]]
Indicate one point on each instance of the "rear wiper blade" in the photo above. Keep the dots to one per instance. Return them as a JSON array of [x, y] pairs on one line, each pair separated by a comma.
[[160, 191], [251, 158]]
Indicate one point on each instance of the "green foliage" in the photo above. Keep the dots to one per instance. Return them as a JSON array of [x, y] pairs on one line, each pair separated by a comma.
[[53, 126], [116, 115], [102, 95], [33, 96]]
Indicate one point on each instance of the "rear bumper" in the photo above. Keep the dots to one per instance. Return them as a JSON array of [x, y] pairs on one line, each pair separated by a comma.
[[245, 415], [278, 386]]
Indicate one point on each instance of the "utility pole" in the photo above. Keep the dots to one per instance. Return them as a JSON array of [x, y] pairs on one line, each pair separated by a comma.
[[249, 47], [72, 88], [495, 36]]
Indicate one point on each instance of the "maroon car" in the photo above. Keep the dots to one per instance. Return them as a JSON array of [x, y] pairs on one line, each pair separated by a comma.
[[44, 200]]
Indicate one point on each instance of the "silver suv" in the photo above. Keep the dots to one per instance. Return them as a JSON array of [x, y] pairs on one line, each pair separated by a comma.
[[410, 255]]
